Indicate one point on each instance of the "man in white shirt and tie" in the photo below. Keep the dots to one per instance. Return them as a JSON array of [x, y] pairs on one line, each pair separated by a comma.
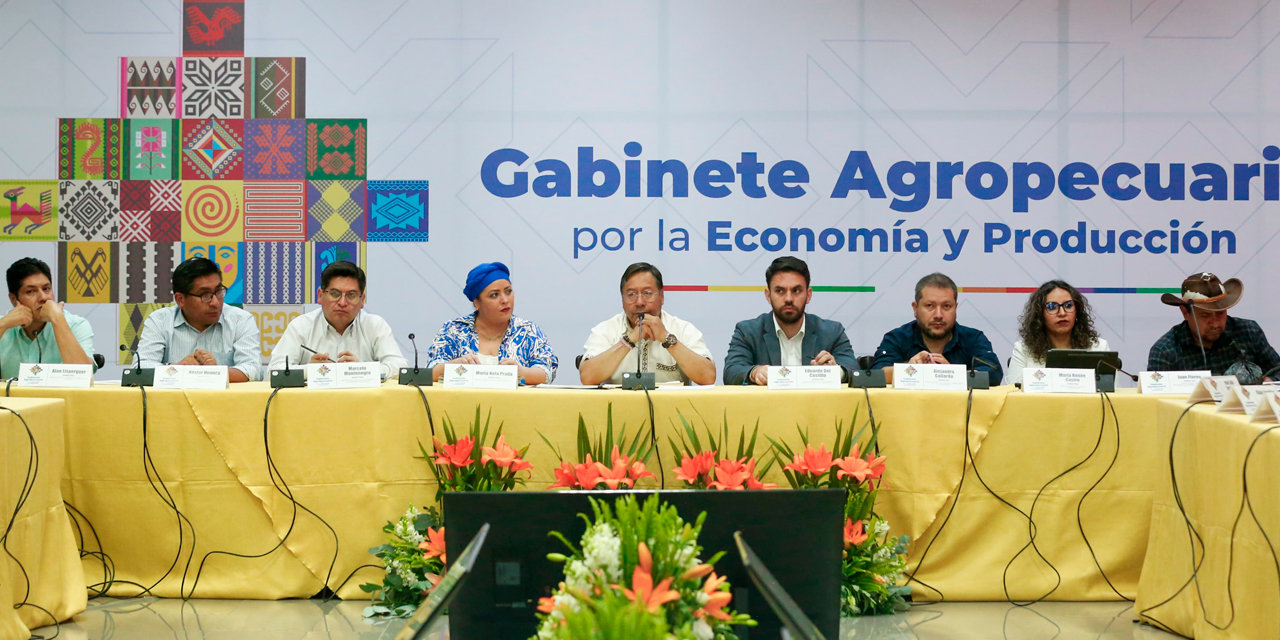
[[340, 330]]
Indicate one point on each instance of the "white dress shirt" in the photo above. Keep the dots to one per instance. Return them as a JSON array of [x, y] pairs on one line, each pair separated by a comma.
[[233, 340], [656, 359], [1021, 359], [368, 338], [791, 347]]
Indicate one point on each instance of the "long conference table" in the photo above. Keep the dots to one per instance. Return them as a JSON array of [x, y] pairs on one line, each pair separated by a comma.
[[1075, 472]]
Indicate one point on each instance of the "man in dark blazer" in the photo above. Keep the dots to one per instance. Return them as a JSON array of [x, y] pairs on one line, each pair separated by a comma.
[[787, 335]]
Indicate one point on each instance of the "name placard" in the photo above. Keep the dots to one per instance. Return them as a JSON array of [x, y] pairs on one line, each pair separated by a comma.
[[930, 377], [344, 375], [1245, 398], [1046, 380], [481, 376], [806, 377], [1178, 382], [1213, 388], [1268, 410], [183, 376], [73, 376]]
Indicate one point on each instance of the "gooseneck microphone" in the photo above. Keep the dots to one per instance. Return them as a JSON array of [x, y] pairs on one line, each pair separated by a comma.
[[639, 339], [415, 352], [979, 359], [137, 362], [1115, 368]]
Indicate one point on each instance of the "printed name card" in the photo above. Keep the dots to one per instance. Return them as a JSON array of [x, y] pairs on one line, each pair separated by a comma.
[[344, 375], [1268, 409], [36, 374], [1213, 388], [931, 377], [1177, 382], [182, 376], [807, 377], [1045, 380], [481, 376], [1245, 399]]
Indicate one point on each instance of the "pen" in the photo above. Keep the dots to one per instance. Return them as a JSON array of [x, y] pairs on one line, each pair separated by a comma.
[[313, 351]]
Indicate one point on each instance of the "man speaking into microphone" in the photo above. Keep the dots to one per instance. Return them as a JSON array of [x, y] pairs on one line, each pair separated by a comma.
[[934, 337], [645, 338]]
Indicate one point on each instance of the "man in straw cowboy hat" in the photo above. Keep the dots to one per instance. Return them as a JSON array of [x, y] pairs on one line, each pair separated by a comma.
[[1208, 339]]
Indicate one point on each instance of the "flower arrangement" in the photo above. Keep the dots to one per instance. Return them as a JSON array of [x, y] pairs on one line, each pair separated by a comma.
[[638, 574], [590, 471], [414, 554], [467, 463], [873, 561], [707, 468], [414, 559]]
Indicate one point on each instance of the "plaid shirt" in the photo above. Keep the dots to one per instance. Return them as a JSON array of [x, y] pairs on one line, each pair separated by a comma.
[[1242, 341]]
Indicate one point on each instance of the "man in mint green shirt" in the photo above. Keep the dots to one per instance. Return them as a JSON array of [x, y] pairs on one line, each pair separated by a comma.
[[37, 329]]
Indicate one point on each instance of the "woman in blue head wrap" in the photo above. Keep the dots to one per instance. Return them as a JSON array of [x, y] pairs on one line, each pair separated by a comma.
[[493, 334]]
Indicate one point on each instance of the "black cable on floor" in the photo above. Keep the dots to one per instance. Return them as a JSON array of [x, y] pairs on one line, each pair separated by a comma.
[[334, 592], [108, 565], [278, 481], [653, 439]]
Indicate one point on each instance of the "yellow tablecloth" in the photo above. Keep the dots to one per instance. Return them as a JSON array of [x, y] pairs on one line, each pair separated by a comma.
[[40, 538], [1208, 458], [349, 456]]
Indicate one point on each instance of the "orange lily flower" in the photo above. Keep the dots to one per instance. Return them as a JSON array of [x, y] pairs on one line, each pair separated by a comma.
[[501, 454], [730, 474], [520, 464], [434, 544], [717, 600], [853, 467], [688, 470], [855, 533], [457, 454], [812, 461], [564, 476], [546, 605], [696, 572], [876, 465], [616, 475], [752, 481], [706, 462], [588, 473], [643, 591], [637, 471]]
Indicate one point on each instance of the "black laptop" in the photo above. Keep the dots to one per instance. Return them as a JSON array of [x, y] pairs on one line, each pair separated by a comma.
[[799, 534]]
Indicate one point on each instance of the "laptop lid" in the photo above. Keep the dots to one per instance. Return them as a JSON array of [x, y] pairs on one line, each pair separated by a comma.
[[446, 590], [788, 611]]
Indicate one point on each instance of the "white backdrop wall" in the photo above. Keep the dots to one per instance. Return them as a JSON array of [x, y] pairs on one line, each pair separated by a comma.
[[444, 85]]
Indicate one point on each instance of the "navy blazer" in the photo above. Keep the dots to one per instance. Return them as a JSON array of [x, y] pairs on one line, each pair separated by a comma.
[[755, 342]]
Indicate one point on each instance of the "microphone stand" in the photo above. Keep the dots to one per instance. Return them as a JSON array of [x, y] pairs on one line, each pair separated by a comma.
[[136, 376], [640, 379], [1107, 381], [416, 376], [288, 378], [980, 379]]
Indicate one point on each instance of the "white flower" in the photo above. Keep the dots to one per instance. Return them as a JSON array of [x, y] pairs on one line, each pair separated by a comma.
[[881, 528], [882, 554], [685, 556], [701, 596], [602, 551], [577, 576], [702, 630]]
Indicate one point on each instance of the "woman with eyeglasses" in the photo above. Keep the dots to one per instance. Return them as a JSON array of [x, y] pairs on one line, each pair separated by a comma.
[[1057, 316], [493, 334]]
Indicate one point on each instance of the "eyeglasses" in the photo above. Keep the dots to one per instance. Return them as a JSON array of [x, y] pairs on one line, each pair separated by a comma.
[[647, 295], [335, 295], [1068, 306], [219, 293]]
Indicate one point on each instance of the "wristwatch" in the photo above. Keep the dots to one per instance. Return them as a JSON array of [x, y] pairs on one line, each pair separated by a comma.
[[670, 341], [627, 340]]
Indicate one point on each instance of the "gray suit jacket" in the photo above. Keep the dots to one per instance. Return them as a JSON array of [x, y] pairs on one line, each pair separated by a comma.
[[755, 342]]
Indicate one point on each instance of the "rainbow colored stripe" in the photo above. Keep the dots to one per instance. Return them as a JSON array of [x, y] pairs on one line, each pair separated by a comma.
[[872, 289], [760, 288]]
